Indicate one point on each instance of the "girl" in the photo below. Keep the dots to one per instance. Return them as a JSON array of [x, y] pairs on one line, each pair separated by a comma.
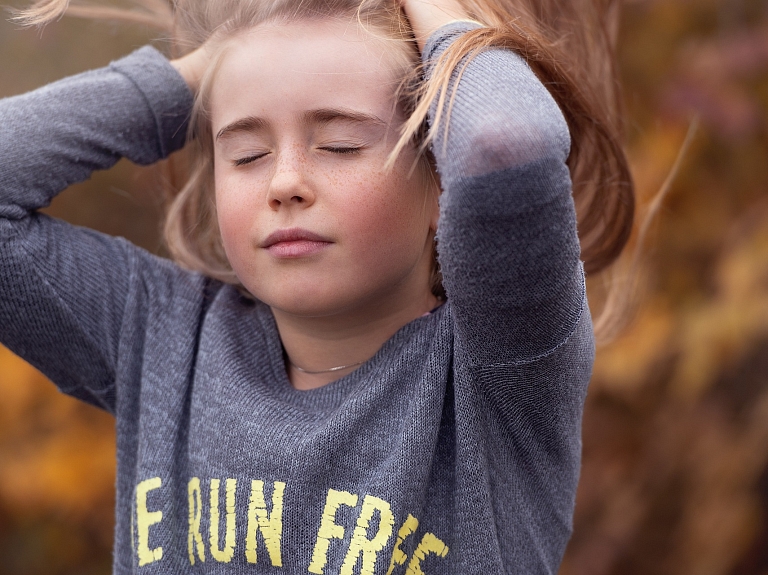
[[308, 393]]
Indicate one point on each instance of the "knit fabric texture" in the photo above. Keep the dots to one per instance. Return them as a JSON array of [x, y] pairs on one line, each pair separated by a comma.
[[454, 450]]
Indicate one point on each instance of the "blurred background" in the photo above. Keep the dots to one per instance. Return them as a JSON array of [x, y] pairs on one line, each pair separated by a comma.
[[675, 471]]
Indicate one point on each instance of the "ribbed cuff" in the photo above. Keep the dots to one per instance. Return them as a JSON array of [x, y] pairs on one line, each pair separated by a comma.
[[443, 36], [167, 95]]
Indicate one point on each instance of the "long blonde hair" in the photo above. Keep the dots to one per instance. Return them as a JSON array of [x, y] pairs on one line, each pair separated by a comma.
[[569, 44]]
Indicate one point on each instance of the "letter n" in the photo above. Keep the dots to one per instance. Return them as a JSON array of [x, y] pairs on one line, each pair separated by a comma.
[[270, 523]]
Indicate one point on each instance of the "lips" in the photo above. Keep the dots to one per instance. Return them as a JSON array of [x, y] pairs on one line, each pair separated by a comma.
[[294, 243]]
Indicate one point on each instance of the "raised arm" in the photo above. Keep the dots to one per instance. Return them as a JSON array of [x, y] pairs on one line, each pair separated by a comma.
[[523, 343], [507, 238], [59, 134], [64, 290]]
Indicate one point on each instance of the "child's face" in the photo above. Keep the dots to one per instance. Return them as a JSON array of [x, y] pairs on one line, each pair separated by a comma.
[[303, 118]]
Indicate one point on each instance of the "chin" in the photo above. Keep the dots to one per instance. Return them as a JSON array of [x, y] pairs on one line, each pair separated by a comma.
[[304, 302]]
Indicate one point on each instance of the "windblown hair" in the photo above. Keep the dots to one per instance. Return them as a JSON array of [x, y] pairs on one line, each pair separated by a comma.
[[569, 44]]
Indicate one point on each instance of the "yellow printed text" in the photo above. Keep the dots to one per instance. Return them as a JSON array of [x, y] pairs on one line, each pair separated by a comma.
[[429, 545], [328, 528], [361, 546], [398, 557], [195, 538], [144, 520], [223, 555], [270, 524]]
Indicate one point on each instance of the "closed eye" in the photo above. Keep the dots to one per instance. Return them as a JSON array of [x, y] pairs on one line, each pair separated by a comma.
[[342, 149], [249, 159]]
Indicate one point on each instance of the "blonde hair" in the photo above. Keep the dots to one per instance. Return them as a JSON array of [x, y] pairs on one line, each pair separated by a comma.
[[569, 44]]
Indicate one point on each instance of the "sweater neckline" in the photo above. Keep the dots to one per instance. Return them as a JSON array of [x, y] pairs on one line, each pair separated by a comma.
[[332, 395]]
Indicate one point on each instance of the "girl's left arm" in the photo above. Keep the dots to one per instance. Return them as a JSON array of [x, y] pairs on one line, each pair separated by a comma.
[[507, 237], [507, 240], [509, 253]]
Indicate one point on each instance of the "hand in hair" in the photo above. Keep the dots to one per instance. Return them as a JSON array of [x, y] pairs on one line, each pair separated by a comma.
[[426, 16], [192, 66]]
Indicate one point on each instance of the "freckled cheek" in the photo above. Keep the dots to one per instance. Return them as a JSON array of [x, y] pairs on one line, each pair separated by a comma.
[[235, 212], [386, 218]]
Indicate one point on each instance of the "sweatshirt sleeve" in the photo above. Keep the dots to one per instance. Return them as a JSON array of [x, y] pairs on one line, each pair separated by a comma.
[[507, 241], [523, 342], [64, 289]]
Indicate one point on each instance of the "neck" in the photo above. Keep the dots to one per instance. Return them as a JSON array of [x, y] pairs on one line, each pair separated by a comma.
[[318, 344]]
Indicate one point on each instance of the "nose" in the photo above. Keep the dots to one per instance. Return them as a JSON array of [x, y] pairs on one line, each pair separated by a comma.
[[290, 183]]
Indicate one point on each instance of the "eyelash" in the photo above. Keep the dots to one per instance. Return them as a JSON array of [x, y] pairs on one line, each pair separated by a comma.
[[248, 160], [341, 150], [345, 150]]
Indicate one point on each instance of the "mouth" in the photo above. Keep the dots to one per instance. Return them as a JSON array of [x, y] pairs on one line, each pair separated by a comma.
[[294, 243]]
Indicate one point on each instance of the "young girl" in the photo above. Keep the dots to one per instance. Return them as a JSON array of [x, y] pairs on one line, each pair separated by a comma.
[[314, 396]]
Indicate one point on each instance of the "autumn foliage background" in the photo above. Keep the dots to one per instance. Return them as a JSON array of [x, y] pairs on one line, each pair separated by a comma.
[[675, 472]]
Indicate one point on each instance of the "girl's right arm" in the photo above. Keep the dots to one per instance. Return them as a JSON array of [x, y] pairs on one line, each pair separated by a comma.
[[64, 290]]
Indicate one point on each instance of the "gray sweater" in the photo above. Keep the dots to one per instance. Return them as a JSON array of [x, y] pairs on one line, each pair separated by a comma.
[[454, 450]]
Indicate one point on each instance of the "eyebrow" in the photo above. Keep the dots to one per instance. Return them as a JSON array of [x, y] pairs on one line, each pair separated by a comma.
[[322, 116]]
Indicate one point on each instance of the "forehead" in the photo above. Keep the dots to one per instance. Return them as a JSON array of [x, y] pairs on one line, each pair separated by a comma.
[[279, 70]]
